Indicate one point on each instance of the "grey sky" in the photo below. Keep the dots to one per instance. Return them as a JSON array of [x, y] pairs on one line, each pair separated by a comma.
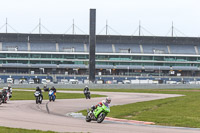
[[123, 15]]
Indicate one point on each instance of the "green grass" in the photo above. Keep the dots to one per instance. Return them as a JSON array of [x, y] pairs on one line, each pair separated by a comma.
[[28, 95], [179, 111], [19, 130]]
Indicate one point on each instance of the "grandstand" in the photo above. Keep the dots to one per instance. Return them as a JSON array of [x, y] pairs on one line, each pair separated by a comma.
[[116, 56]]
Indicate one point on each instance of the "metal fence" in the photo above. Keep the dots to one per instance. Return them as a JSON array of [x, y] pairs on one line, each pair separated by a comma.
[[109, 86]]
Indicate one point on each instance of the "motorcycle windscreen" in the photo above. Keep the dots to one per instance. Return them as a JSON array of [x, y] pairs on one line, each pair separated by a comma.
[[51, 92], [106, 107]]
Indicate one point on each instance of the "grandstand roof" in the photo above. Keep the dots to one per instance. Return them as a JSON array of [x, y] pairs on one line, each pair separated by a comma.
[[104, 44], [10, 37]]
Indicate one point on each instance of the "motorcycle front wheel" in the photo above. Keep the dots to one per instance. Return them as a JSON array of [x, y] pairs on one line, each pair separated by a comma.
[[50, 99], [40, 99], [36, 100], [101, 117]]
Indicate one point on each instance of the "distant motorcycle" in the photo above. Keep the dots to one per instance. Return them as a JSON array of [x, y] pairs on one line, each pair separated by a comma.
[[87, 94], [9, 95], [46, 89], [38, 97], [0, 99], [5, 95], [4, 98], [52, 96], [98, 114]]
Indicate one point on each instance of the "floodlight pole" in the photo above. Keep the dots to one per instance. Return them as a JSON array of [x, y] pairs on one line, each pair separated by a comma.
[[92, 43]]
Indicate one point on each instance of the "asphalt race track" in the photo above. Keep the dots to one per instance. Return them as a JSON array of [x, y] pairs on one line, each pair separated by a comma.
[[26, 114]]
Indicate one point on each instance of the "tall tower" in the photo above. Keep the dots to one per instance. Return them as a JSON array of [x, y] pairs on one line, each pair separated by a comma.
[[92, 42]]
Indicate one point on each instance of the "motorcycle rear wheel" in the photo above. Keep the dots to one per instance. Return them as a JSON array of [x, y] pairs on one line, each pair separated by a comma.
[[88, 119], [3, 100]]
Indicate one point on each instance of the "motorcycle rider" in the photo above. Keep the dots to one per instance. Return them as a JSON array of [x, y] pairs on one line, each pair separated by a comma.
[[0, 97], [4, 94], [38, 89], [10, 91], [45, 88], [54, 90], [86, 91], [107, 101]]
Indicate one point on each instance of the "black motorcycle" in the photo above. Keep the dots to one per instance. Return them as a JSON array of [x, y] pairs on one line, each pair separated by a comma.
[[38, 97], [87, 94], [0, 98], [0, 101], [46, 89], [4, 97]]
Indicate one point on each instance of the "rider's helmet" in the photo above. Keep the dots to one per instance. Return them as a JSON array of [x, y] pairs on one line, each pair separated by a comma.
[[108, 100], [86, 86], [37, 87]]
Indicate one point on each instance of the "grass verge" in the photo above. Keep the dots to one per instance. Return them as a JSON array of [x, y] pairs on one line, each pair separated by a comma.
[[179, 111], [28, 95], [19, 130]]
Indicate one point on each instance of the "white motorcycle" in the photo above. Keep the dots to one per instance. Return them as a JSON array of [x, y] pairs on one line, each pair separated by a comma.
[[38, 97]]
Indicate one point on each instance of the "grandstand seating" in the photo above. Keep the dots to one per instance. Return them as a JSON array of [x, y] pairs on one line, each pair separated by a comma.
[[182, 49], [101, 48], [14, 46], [71, 47], [134, 48], [104, 48], [155, 48], [46, 47]]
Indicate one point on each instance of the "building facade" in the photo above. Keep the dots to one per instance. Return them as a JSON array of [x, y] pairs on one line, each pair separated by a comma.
[[115, 55]]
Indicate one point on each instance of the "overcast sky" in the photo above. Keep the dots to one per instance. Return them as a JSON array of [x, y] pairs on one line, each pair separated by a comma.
[[123, 16]]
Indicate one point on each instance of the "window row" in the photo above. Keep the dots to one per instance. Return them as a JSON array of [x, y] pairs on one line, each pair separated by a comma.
[[99, 57]]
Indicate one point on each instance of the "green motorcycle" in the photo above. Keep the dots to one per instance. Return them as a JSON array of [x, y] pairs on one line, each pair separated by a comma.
[[98, 114]]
